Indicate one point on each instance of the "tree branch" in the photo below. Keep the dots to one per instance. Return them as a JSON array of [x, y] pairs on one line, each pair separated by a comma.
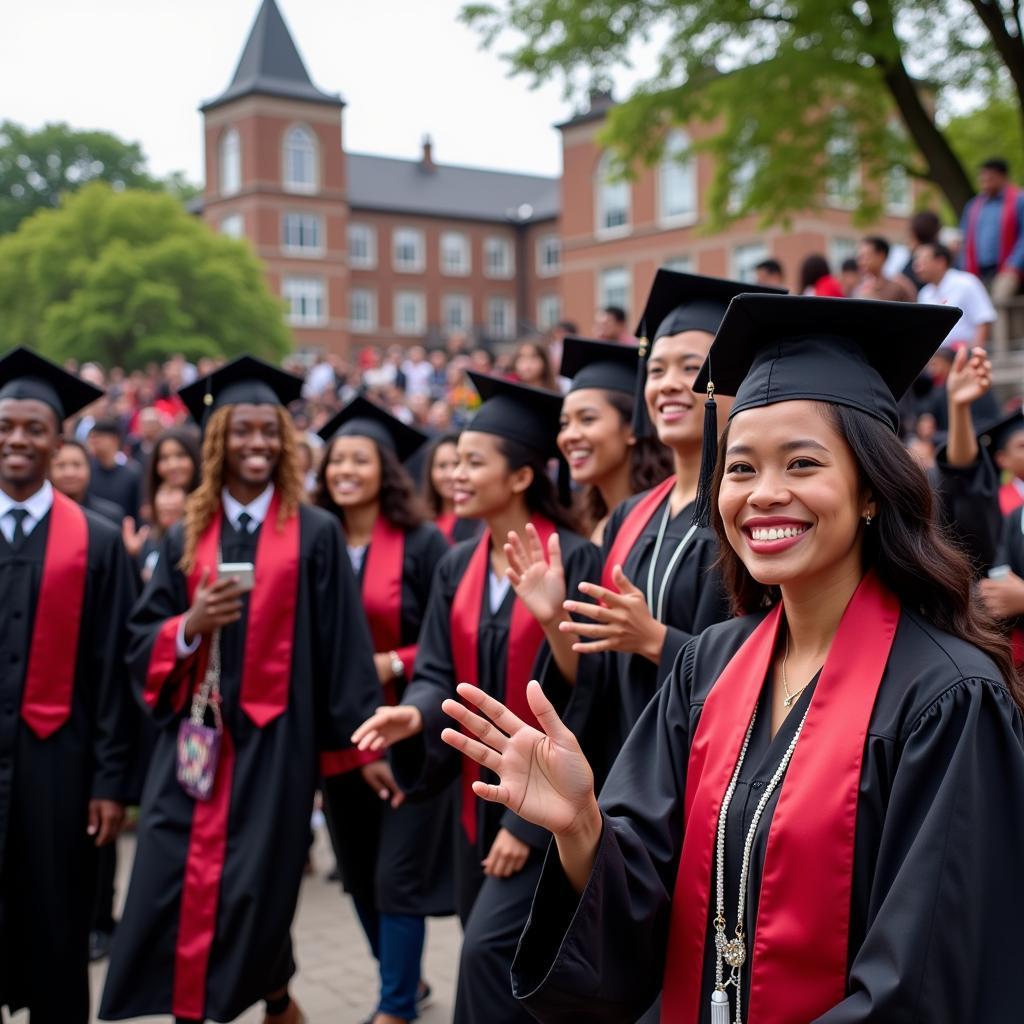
[[1009, 47]]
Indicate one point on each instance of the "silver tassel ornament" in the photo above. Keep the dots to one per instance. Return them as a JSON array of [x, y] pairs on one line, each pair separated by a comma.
[[719, 1007]]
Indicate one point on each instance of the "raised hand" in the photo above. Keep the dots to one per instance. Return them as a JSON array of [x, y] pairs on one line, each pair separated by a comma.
[[133, 538], [387, 727], [969, 377], [1004, 597], [537, 578], [622, 621], [542, 775]]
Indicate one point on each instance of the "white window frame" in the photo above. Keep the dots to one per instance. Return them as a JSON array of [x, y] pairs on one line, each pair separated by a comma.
[[507, 328], [840, 249], [842, 193], [460, 240], [493, 245], [744, 258], [462, 302], [898, 181], [682, 264], [367, 324], [369, 234], [621, 293], [399, 238], [312, 310], [604, 188], [233, 225], [549, 310], [678, 171], [420, 326], [301, 140], [229, 162], [546, 244], [308, 224]]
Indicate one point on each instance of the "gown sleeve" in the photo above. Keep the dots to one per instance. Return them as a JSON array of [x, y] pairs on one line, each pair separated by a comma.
[[599, 957], [969, 506], [115, 725], [431, 548], [943, 927]]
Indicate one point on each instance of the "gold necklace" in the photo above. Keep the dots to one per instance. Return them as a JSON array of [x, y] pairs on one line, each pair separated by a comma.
[[790, 697]]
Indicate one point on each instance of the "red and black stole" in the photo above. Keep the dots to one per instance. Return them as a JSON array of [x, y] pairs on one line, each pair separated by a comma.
[[1008, 230], [632, 526], [799, 951], [445, 522], [50, 671], [524, 639]]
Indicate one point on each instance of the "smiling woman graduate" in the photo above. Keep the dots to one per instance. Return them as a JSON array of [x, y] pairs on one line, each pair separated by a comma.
[[819, 817]]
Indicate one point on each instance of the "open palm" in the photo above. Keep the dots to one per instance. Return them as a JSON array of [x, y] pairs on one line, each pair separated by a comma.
[[538, 578], [542, 773]]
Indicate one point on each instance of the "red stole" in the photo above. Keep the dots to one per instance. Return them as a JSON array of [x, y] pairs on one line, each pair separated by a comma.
[[1008, 230], [382, 589], [799, 948], [446, 524], [50, 674], [632, 526], [524, 639], [270, 637], [1009, 499]]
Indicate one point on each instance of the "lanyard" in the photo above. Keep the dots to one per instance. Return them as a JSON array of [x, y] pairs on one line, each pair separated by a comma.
[[658, 612]]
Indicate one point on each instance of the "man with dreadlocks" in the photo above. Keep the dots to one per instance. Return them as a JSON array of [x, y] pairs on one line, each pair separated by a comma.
[[278, 674]]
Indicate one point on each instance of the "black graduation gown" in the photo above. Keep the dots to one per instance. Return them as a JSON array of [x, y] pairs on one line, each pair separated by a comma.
[[404, 864], [47, 877], [938, 894], [493, 910], [969, 506], [613, 689], [333, 688]]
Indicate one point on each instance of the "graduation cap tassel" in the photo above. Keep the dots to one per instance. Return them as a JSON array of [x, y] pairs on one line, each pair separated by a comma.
[[708, 459], [642, 426]]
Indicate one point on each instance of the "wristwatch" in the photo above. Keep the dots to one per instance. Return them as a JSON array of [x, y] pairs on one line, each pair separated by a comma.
[[397, 667]]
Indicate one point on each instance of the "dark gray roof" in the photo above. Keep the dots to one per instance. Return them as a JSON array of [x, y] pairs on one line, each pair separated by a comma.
[[271, 66], [441, 190]]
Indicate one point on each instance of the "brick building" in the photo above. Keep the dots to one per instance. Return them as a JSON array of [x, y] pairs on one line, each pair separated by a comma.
[[368, 248]]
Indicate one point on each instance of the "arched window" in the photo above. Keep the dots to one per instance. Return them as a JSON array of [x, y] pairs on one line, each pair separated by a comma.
[[611, 198], [677, 181], [300, 160], [230, 162]]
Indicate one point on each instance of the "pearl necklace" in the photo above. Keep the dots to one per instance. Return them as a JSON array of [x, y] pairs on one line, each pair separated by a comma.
[[734, 951]]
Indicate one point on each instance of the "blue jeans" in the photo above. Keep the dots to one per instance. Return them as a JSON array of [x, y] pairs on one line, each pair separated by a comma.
[[401, 952]]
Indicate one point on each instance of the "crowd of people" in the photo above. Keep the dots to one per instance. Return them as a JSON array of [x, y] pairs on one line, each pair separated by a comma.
[[683, 668]]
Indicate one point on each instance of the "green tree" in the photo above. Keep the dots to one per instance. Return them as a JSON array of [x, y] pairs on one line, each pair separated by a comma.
[[780, 81], [126, 277], [992, 130], [37, 168]]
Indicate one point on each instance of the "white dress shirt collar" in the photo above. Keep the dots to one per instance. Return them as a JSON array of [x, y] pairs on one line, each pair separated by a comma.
[[257, 508], [37, 506]]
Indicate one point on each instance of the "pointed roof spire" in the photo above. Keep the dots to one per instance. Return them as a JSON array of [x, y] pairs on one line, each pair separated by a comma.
[[271, 65]]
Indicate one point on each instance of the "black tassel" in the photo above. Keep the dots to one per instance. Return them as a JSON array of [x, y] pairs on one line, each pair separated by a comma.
[[708, 459], [642, 426]]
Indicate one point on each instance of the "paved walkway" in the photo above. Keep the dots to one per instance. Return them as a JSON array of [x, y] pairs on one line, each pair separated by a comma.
[[337, 979]]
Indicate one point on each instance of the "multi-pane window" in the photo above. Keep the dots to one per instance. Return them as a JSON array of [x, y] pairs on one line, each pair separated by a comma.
[[549, 311], [410, 313], [613, 287], [233, 226], [612, 197], [898, 195], [300, 160], [456, 312], [842, 180], [682, 264], [549, 255], [306, 298], [362, 247], [745, 259], [362, 309], [840, 250], [302, 231], [230, 152], [455, 258], [677, 181], [407, 250], [501, 318], [498, 259]]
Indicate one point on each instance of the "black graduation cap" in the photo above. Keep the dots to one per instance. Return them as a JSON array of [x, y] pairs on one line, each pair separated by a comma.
[[996, 436], [363, 418], [517, 411], [607, 365], [23, 374], [244, 380]]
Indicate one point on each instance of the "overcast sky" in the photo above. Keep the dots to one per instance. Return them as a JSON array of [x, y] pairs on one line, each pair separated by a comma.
[[140, 68]]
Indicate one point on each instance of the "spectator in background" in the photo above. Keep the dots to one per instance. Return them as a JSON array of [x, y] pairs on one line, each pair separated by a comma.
[[849, 276], [168, 509], [320, 380], [175, 460], [115, 477], [768, 273], [418, 372], [610, 325], [923, 230], [148, 424], [816, 278], [984, 410], [872, 254], [944, 285], [993, 242], [562, 330], [532, 365], [438, 374], [481, 361], [379, 374], [70, 473]]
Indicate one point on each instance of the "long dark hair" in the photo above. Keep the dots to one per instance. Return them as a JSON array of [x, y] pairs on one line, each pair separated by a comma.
[[541, 350], [904, 544], [190, 442], [650, 462], [812, 270], [541, 496], [399, 503], [430, 494]]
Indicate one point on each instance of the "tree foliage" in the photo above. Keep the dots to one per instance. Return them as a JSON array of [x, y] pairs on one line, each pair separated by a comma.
[[126, 277], [778, 81]]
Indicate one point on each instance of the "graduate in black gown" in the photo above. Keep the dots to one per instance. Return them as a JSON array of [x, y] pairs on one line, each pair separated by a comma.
[[65, 703], [397, 865], [205, 930], [657, 586], [819, 818], [475, 628]]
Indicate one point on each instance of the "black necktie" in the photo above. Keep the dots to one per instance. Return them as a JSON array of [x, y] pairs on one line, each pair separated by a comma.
[[244, 519], [19, 515]]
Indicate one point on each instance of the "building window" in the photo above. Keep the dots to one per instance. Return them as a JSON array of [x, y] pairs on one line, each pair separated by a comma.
[[549, 255], [745, 259], [498, 261], [410, 313], [742, 182], [612, 196], [898, 197], [677, 181], [306, 302], [362, 247], [455, 257], [842, 180], [300, 160], [839, 250], [362, 309], [456, 312], [233, 226], [230, 162], [407, 250], [613, 287], [549, 311], [301, 232], [501, 318], [680, 264]]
